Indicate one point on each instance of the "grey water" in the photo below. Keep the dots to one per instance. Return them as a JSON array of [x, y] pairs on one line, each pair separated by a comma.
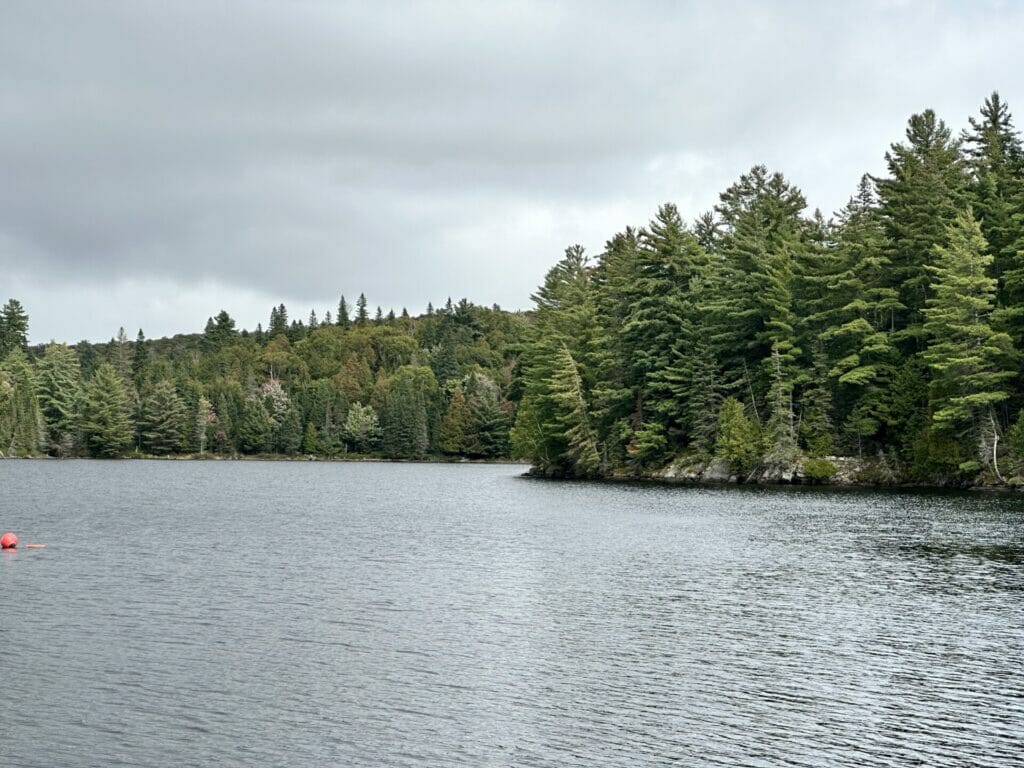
[[363, 614]]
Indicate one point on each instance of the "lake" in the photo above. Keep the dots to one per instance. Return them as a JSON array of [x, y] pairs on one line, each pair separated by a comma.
[[366, 614]]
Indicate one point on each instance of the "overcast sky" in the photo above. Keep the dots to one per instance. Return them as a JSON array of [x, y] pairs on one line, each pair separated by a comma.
[[161, 161]]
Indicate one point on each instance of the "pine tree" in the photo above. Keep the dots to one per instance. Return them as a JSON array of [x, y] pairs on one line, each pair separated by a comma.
[[104, 415], [751, 305], [667, 259], [59, 386], [581, 454], [13, 328], [162, 419], [27, 432], [565, 317], [921, 196], [972, 362], [816, 426], [996, 160]]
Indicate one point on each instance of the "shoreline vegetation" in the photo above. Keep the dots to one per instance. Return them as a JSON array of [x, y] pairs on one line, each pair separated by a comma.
[[762, 342]]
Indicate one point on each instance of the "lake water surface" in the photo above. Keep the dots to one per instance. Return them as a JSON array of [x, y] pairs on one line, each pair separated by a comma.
[[305, 614]]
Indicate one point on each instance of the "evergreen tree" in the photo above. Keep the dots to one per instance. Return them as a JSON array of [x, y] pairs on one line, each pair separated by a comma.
[[289, 432], [972, 362], [120, 355], [404, 418], [104, 415], [582, 455], [225, 433], [343, 320], [996, 161], [256, 429], [310, 445], [921, 196], [362, 315], [565, 317], [278, 321], [13, 328], [456, 433], [739, 439], [59, 386], [140, 358], [27, 431], [816, 430], [162, 419]]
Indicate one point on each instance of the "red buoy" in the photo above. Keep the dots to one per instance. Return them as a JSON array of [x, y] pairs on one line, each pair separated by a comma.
[[8, 541]]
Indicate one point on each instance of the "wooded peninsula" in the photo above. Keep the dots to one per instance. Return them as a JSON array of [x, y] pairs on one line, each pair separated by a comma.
[[761, 341]]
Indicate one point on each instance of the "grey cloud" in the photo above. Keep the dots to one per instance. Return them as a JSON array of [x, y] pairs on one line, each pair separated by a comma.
[[303, 149]]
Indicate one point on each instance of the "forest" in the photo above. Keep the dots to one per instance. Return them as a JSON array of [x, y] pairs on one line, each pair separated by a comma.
[[760, 334], [391, 386]]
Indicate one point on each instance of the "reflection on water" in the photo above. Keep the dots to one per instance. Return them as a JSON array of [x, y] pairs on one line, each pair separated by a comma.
[[416, 615]]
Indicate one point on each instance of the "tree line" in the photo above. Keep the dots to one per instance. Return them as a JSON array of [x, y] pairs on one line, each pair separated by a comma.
[[766, 336], [393, 386], [760, 334]]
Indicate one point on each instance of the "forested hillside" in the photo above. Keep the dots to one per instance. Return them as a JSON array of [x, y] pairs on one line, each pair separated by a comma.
[[400, 387], [761, 335]]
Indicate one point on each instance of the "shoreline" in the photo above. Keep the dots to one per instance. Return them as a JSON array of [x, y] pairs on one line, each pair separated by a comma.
[[269, 457], [663, 477]]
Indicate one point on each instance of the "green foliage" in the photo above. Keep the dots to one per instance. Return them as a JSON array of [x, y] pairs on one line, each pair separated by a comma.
[[456, 434], [739, 437], [104, 414], [256, 428], [162, 420], [972, 362], [362, 429], [26, 433], [13, 328], [818, 469], [404, 417], [59, 386]]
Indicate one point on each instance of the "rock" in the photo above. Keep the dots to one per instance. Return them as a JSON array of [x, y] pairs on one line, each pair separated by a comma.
[[717, 471]]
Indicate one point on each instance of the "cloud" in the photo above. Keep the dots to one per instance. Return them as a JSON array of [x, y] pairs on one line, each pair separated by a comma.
[[238, 153]]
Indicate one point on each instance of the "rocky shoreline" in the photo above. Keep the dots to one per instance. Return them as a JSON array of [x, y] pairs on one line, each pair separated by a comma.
[[830, 471]]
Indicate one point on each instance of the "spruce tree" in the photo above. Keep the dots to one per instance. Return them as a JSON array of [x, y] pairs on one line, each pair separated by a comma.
[[343, 319], [362, 314]]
